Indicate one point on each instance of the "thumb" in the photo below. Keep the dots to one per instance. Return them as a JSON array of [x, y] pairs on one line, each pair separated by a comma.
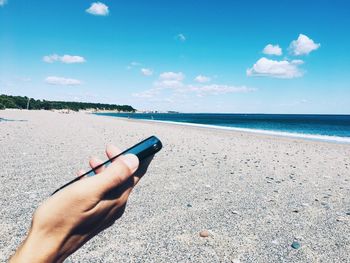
[[115, 174]]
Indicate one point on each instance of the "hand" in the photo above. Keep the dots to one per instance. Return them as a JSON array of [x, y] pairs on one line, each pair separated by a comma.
[[72, 216]]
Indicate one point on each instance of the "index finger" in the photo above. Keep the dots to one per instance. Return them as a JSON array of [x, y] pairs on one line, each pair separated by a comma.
[[115, 174]]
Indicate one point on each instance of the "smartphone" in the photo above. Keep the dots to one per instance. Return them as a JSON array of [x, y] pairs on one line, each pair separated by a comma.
[[142, 150]]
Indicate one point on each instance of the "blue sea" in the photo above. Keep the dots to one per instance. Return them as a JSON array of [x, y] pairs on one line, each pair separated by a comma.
[[318, 127]]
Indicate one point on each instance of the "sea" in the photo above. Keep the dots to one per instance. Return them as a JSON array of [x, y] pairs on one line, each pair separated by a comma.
[[335, 128]]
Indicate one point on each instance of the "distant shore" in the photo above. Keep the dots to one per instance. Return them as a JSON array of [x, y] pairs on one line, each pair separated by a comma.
[[261, 198]]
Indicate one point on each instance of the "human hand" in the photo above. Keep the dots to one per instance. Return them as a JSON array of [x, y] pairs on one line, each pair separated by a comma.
[[72, 216]]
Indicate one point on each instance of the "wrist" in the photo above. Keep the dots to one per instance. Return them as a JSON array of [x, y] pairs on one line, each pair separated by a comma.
[[36, 248]]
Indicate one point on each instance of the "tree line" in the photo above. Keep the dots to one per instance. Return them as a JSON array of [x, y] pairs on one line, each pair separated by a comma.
[[19, 102]]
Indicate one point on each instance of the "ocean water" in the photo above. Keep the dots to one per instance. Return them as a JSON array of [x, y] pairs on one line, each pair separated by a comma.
[[319, 127]]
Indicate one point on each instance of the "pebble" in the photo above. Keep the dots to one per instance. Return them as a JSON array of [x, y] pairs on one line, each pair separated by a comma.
[[204, 233], [295, 245], [275, 242], [341, 219]]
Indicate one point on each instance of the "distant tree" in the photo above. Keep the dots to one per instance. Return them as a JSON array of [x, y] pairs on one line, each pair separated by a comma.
[[46, 105], [21, 103], [8, 103]]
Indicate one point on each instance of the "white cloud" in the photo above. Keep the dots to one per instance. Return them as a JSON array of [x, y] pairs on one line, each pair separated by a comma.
[[171, 85], [98, 9], [216, 89], [53, 80], [181, 37], [3, 2], [51, 58], [151, 93], [303, 45], [272, 50], [170, 80], [67, 59], [202, 79], [147, 71], [133, 64], [179, 76], [200, 91], [276, 69]]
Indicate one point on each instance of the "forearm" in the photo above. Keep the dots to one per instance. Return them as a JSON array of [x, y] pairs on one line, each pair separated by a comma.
[[39, 250]]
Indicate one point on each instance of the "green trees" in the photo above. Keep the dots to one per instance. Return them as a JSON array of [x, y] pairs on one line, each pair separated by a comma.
[[8, 102], [18, 102]]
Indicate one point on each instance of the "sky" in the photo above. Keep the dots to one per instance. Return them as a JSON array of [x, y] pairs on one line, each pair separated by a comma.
[[185, 55]]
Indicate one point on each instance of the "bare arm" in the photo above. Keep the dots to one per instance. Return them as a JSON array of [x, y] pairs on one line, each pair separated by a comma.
[[68, 219]]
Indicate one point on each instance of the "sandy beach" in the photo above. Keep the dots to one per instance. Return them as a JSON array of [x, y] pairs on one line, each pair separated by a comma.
[[254, 194]]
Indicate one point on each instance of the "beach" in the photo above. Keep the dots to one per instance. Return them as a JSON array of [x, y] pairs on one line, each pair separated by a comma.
[[255, 194]]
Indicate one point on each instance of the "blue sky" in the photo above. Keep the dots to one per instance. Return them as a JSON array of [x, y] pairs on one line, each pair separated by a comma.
[[189, 56]]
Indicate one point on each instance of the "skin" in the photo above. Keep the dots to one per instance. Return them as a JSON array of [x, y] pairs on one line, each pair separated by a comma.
[[68, 219]]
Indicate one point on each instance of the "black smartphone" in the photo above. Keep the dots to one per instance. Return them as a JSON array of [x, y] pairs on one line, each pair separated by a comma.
[[142, 150]]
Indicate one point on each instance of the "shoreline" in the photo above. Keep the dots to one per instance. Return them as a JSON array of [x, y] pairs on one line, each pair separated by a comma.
[[304, 136]]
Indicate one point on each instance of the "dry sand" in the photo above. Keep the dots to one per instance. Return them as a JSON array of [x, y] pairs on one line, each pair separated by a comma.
[[254, 194]]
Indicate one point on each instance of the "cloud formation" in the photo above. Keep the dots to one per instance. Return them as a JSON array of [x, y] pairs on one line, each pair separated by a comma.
[[277, 69], [98, 9], [147, 71], [53, 80], [67, 59], [172, 84], [133, 64], [147, 94], [3, 2], [216, 89], [181, 37], [202, 79], [303, 45], [272, 50], [170, 80], [172, 76]]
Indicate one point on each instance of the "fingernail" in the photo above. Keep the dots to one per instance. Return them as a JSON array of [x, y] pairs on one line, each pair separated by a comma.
[[131, 161]]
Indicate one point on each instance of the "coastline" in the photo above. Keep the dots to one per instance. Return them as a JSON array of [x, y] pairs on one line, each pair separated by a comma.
[[255, 194], [313, 137]]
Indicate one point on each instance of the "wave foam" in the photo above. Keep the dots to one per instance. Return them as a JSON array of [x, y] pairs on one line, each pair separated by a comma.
[[317, 137]]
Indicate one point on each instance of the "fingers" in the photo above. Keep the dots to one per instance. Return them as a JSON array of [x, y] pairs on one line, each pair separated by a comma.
[[94, 162], [115, 174], [80, 172], [112, 151]]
